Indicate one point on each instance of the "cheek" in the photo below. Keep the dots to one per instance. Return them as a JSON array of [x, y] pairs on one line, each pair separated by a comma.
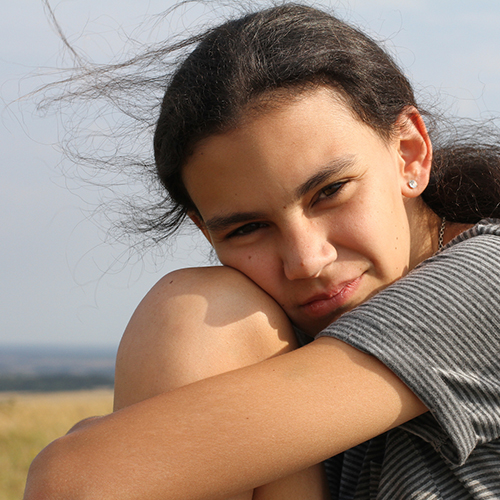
[[262, 267], [374, 231], [388, 248]]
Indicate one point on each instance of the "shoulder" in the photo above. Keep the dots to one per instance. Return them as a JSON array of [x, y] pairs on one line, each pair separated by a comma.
[[438, 330], [486, 229], [468, 264], [445, 309], [470, 261]]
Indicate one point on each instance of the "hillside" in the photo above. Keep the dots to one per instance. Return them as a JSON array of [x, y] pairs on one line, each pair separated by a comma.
[[49, 369]]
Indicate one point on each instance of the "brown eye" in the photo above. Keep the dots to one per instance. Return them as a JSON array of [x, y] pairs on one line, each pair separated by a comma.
[[246, 229], [330, 190]]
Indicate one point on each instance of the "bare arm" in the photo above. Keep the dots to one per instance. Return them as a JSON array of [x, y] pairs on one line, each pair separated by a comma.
[[198, 323], [319, 400]]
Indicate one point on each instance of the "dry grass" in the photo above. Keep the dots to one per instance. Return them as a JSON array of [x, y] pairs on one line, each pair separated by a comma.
[[28, 422]]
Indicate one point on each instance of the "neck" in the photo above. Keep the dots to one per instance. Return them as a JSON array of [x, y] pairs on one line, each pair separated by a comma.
[[453, 229], [424, 227]]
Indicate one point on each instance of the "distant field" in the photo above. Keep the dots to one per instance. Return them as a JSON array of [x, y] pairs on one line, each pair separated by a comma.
[[28, 422]]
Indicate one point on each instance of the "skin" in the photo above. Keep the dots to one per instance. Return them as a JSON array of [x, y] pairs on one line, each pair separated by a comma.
[[213, 400], [304, 237], [222, 322]]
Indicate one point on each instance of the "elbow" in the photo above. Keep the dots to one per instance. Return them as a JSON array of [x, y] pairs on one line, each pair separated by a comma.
[[52, 474]]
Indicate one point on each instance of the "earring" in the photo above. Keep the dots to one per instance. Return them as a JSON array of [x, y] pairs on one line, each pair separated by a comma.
[[413, 184]]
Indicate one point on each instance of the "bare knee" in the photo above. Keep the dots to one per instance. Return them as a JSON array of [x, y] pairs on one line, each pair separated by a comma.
[[221, 295], [196, 323]]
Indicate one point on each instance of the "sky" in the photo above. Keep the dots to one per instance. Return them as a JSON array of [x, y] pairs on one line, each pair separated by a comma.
[[63, 281]]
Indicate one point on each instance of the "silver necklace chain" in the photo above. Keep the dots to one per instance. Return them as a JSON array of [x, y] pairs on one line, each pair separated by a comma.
[[441, 233]]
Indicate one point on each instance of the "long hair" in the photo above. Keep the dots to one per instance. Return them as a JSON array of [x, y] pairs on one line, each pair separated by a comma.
[[287, 49], [269, 57]]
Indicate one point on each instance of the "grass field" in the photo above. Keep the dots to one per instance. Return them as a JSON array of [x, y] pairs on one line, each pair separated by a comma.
[[28, 422]]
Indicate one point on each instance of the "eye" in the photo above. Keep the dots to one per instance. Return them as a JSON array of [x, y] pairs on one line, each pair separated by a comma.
[[249, 228], [330, 191]]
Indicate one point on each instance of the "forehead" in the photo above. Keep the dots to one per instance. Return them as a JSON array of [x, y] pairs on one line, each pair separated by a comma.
[[276, 150]]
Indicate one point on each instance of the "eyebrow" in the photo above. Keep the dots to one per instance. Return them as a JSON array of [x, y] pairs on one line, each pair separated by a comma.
[[336, 167]]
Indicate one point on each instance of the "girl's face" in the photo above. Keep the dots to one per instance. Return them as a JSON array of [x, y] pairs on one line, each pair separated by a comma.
[[312, 205]]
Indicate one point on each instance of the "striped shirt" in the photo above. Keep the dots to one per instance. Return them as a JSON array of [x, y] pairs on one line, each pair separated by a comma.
[[438, 329]]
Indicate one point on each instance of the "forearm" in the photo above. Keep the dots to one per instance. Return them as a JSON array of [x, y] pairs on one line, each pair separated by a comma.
[[318, 401]]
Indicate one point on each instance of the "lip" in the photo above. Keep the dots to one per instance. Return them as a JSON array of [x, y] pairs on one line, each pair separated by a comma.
[[328, 302]]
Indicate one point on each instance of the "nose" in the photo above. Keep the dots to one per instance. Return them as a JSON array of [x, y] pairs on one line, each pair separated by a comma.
[[306, 250]]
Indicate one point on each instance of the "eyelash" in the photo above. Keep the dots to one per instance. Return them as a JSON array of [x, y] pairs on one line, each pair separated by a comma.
[[244, 230], [254, 226], [335, 187]]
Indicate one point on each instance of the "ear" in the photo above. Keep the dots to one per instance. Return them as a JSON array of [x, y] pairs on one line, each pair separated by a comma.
[[415, 152], [196, 218]]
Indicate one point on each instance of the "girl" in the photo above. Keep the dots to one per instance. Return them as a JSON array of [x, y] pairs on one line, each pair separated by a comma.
[[295, 144]]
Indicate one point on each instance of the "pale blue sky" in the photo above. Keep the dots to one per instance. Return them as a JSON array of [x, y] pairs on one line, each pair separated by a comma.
[[61, 282]]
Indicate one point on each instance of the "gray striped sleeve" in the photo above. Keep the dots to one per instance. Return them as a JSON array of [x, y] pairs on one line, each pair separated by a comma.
[[438, 329]]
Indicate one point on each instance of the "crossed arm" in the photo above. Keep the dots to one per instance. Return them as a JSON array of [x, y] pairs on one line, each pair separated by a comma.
[[205, 438]]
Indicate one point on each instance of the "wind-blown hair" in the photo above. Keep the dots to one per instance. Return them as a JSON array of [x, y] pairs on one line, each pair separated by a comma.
[[291, 48], [271, 56], [286, 48]]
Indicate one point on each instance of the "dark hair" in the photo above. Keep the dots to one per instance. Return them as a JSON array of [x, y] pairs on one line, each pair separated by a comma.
[[291, 47], [278, 53], [288, 48], [465, 178]]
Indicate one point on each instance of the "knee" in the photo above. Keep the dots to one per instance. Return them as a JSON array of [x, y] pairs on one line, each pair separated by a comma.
[[196, 323], [219, 296], [225, 312]]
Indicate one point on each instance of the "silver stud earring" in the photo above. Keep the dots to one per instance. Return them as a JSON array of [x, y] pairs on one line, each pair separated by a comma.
[[413, 184]]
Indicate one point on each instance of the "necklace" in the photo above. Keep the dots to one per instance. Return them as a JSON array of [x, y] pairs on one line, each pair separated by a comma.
[[441, 233]]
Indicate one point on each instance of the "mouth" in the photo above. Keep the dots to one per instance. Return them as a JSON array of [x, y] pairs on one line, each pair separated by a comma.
[[328, 302]]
